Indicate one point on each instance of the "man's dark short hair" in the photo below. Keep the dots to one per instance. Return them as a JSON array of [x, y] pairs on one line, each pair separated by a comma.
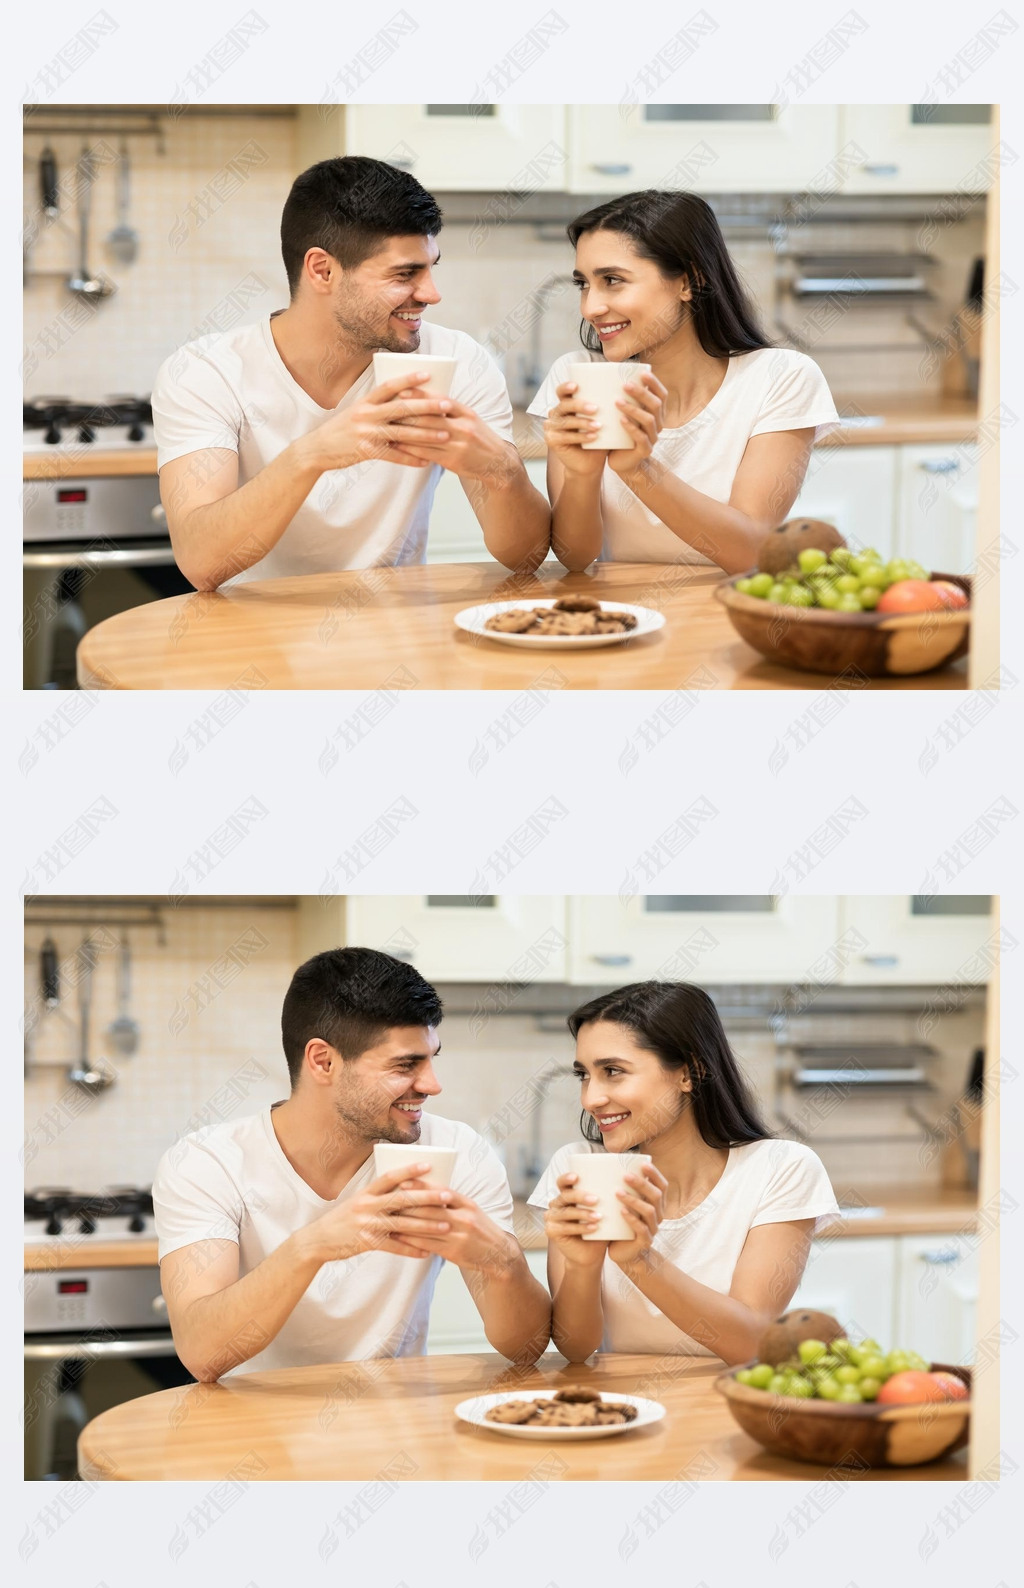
[[349, 207], [349, 997]]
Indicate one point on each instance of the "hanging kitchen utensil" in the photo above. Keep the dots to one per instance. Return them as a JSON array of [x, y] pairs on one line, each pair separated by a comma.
[[124, 1031], [81, 281], [123, 241], [49, 187], [49, 974], [90, 1077]]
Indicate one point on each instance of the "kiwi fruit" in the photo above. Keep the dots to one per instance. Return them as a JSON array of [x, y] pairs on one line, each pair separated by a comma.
[[784, 545], [780, 1340]]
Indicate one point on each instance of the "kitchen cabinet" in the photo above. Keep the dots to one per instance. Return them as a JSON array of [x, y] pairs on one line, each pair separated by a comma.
[[455, 1323], [921, 938], [855, 489], [938, 506], [935, 148], [937, 1298], [700, 938], [855, 1280], [465, 147], [699, 148], [455, 533], [462, 937]]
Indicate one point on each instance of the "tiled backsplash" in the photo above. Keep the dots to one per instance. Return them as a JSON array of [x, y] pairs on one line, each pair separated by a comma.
[[209, 1004], [208, 213]]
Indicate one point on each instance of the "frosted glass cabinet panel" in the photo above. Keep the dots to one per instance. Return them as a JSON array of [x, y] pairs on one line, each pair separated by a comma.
[[749, 149], [920, 938], [510, 937], [462, 147], [692, 938]]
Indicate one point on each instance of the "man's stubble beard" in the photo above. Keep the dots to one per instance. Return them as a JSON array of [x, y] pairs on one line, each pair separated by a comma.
[[364, 334], [359, 1120]]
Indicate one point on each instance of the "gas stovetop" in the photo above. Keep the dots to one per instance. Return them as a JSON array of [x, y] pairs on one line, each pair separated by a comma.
[[54, 424], [119, 1214]]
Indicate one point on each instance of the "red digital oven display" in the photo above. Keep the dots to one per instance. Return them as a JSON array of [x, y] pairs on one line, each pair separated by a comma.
[[72, 496], [72, 1287]]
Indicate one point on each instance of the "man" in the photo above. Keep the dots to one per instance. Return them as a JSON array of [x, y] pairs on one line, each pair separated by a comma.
[[277, 453], [278, 1244]]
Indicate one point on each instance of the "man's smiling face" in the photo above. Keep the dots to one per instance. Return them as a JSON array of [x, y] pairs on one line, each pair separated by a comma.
[[380, 302], [379, 1095]]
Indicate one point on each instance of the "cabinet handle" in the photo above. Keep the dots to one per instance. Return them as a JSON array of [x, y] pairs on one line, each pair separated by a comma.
[[158, 514], [937, 1256], [612, 959], [880, 168], [610, 168], [939, 465], [880, 959], [159, 1304]]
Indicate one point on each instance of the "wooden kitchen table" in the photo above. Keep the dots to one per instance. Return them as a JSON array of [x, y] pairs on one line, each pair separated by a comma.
[[392, 628], [394, 1418]]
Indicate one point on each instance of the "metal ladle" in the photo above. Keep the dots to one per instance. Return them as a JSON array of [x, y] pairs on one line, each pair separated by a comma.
[[90, 1077], [123, 241], [81, 281]]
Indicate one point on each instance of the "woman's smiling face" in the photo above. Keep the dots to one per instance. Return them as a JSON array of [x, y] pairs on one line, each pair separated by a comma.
[[633, 308], [630, 1094]]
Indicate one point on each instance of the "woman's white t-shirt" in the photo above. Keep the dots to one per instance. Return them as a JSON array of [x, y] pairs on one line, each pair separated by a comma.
[[233, 1182], [764, 1182], [234, 390], [773, 388]]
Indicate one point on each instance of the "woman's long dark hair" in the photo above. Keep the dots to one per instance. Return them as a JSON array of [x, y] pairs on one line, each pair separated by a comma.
[[681, 1026], [679, 232]]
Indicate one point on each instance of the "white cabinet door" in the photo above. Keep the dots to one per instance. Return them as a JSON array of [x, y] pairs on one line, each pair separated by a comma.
[[699, 938], [853, 1278], [455, 534], [938, 507], [918, 938], [448, 937], [854, 488], [937, 1297], [918, 148], [699, 148], [465, 147], [455, 1324]]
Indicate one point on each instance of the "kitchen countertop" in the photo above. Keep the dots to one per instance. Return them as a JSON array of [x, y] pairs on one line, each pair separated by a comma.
[[394, 1418], [86, 1253], [918, 419], [357, 630]]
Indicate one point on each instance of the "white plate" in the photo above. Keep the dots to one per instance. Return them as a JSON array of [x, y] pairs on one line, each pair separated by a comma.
[[472, 1411], [472, 619]]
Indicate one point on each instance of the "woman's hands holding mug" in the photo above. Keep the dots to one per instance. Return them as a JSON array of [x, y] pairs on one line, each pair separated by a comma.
[[642, 1202], [568, 425], [572, 1213], [640, 409]]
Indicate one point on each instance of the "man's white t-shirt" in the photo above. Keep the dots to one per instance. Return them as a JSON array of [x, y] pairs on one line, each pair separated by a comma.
[[764, 1182], [770, 389], [233, 1182], [234, 390]]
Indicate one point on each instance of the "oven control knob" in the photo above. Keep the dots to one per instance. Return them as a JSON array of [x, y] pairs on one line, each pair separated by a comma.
[[136, 1224], [159, 1304], [136, 433], [158, 514], [52, 436], [86, 1225], [53, 1225], [86, 433]]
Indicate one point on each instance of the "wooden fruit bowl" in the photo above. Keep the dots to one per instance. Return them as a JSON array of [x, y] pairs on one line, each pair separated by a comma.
[[878, 644], [856, 1436]]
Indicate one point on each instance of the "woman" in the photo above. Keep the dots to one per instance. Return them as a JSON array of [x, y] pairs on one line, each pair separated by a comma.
[[722, 428], [722, 1218]]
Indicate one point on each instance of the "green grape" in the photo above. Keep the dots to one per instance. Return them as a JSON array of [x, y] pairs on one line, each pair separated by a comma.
[[760, 584], [848, 1374], [849, 1395], [743, 1376], [873, 1366], [829, 1362], [896, 1362], [917, 1363], [811, 559], [842, 556], [915, 571], [743, 586], [842, 1348], [847, 584], [778, 1384], [829, 599], [848, 603], [828, 1389], [812, 1350], [777, 594], [761, 1375], [871, 1345], [868, 597], [800, 1388], [869, 1388], [873, 577], [798, 596]]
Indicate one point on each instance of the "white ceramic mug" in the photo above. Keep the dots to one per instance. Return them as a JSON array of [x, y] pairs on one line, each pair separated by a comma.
[[388, 366], [602, 384], [388, 1155], [601, 1174]]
